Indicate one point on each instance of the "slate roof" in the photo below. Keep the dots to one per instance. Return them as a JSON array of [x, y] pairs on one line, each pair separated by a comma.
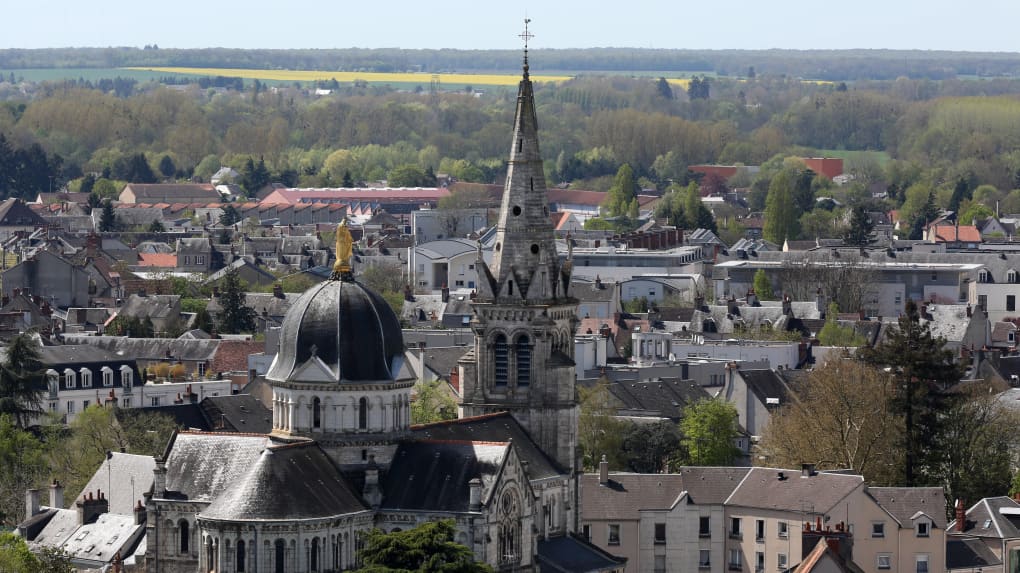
[[100, 541], [155, 192], [969, 553], [188, 416], [986, 519], [125, 469], [75, 353], [14, 212], [572, 554], [588, 292], [434, 475], [287, 482], [149, 348], [240, 413], [242, 262], [442, 360], [151, 306], [902, 503], [499, 427], [763, 489], [665, 398], [201, 466], [765, 384], [629, 493], [263, 303], [61, 525]]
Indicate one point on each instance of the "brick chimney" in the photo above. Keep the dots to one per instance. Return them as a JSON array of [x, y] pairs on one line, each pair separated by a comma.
[[455, 379], [961, 516], [91, 507]]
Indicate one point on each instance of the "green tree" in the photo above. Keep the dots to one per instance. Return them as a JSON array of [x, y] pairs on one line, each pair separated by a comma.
[[235, 316], [23, 466], [167, 167], [763, 286], [432, 403], [138, 170], [15, 556], [710, 430], [923, 370], [599, 431], [147, 432], [409, 175], [697, 216], [780, 212], [254, 176], [427, 548], [203, 321], [21, 381], [861, 226], [107, 219], [832, 334], [229, 216], [623, 191], [156, 226], [649, 448], [663, 89]]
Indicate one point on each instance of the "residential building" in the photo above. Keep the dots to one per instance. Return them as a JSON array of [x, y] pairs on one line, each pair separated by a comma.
[[169, 193], [62, 283]]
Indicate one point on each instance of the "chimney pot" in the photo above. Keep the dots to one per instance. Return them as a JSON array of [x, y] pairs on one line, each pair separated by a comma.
[[603, 471]]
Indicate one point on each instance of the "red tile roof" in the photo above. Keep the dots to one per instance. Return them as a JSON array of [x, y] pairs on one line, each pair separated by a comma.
[[948, 234], [164, 260], [232, 355]]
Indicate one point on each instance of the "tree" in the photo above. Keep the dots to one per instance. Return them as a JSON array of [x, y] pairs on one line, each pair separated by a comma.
[[203, 321], [623, 191], [832, 334], [698, 88], [22, 466], [663, 89], [432, 403], [21, 381], [167, 167], [923, 371], [107, 219], [409, 175], [709, 429], [842, 416], [763, 286], [599, 432], [347, 182], [156, 226], [147, 432], [780, 213], [15, 555], [649, 448], [254, 176], [696, 215], [427, 548], [137, 170], [229, 216], [861, 225], [235, 316]]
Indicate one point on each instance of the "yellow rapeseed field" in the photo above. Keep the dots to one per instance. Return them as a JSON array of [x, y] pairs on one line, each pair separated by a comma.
[[346, 77]]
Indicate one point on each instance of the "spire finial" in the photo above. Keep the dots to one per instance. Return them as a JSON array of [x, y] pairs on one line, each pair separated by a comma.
[[526, 36]]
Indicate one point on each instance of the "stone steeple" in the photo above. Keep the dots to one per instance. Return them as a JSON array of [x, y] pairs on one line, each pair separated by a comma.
[[524, 317]]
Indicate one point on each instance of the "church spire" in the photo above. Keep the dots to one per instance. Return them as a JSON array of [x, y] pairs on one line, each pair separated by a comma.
[[525, 265]]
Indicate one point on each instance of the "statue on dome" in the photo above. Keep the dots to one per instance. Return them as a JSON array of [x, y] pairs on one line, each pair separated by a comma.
[[344, 251]]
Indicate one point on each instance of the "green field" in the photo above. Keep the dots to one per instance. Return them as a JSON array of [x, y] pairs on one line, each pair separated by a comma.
[[881, 157], [90, 74]]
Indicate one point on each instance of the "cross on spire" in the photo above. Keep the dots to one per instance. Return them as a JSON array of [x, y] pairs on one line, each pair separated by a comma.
[[526, 36]]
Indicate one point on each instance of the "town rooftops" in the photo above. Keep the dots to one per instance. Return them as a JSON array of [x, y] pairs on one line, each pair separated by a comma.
[[786, 490], [435, 475], [627, 494], [903, 503], [201, 466]]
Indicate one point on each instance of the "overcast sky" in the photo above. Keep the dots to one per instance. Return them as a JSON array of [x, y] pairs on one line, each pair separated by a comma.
[[977, 25]]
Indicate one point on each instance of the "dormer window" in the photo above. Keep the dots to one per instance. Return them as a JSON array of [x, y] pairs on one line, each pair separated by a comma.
[[984, 276], [923, 528], [107, 376], [1012, 276]]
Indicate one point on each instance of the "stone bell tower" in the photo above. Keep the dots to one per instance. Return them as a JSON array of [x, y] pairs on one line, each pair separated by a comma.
[[524, 316]]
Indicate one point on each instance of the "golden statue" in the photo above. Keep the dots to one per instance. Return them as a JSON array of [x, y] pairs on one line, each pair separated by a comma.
[[344, 248]]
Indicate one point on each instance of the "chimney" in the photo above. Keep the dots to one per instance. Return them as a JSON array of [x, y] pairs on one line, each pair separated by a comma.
[[818, 523], [372, 493], [159, 479], [445, 293], [598, 282], [603, 471], [31, 502], [455, 379], [91, 507], [752, 298], [787, 305], [278, 291], [970, 311], [475, 499], [139, 513], [56, 495], [807, 470], [961, 516]]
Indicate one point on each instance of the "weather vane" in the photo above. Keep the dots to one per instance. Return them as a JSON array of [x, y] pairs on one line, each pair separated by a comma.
[[526, 36]]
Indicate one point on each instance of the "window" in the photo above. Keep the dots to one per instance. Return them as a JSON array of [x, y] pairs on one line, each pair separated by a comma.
[[759, 561], [922, 528], [362, 414], [316, 413], [614, 534], [1011, 276], [125, 376], [523, 361], [586, 532], [660, 564], [784, 530], [781, 561], [185, 536], [199, 259], [704, 529], [107, 376], [1010, 302], [922, 563], [735, 559], [660, 533], [53, 406], [125, 403], [70, 380], [983, 276], [240, 557], [201, 368], [187, 259], [759, 530], [86, 378], [735, 528], [70, 407], [84, 405], [884, 561], [500, 359], [878, 529], [509, 548], [154, 400], [704, 559], [983, 301]]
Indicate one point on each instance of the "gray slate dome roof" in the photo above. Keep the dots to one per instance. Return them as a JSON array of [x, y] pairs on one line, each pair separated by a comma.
[[347, 333]]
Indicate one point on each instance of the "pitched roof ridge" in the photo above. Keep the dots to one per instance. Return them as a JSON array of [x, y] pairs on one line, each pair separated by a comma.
[[463, 442], [227, 434], [477, 418]]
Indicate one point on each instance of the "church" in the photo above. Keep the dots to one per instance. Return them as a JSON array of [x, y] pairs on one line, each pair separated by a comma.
[[343, 457]]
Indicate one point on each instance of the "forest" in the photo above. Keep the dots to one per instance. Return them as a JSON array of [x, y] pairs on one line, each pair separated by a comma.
[[915, 145]]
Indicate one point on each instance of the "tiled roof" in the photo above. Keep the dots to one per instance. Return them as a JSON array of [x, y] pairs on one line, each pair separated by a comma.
[[903, 503], [166, 260], [202, 466], [952, 233], [434, 475], [627, 494], [232, 355], [764, 488]]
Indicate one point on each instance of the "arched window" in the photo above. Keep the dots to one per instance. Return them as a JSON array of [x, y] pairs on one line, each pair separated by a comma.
[[500, 359], [185, 536], [316, 413], [984, 276], [86, 377], [314, 560], [278, 558], [523, 351], [1012, 276], [239, 565], [70, 379], [126, 376], [362, 414], [509, 529]]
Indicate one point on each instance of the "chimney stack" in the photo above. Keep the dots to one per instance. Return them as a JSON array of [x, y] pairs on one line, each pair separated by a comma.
[[603, 471], [807, 470], [31, 503], [961, 516], [278, 291], [56, 495], [91, 507], [475, 499], [139, 513], [445, 293]]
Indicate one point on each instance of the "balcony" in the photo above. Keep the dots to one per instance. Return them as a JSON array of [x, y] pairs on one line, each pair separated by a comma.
[[736, 535], [735, 567]]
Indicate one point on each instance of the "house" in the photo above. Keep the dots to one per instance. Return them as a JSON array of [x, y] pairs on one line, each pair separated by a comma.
[[434, 224], [953, 236], [597, 299], [248, 272], [163, 310], [755, 393], [61, 282], [169, 193], [195, 255], [995, 523], [449, 262], [78, 376], [16, 217]]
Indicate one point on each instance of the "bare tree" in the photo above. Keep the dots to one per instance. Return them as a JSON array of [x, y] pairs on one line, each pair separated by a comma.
[[845, 277]]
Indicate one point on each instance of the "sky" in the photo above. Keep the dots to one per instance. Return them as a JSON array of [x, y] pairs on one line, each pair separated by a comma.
[[976, 26]]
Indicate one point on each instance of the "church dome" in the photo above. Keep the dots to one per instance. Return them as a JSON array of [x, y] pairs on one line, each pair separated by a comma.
[[338, 331]]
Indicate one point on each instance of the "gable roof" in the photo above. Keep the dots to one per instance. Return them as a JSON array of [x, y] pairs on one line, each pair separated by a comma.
[[15, 213], [571, 553], [627, 494], [763, 488], [434, 475], [969, 553], [903, 503], [996, 517], [666, 398], [172, 192], [129, 468]]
